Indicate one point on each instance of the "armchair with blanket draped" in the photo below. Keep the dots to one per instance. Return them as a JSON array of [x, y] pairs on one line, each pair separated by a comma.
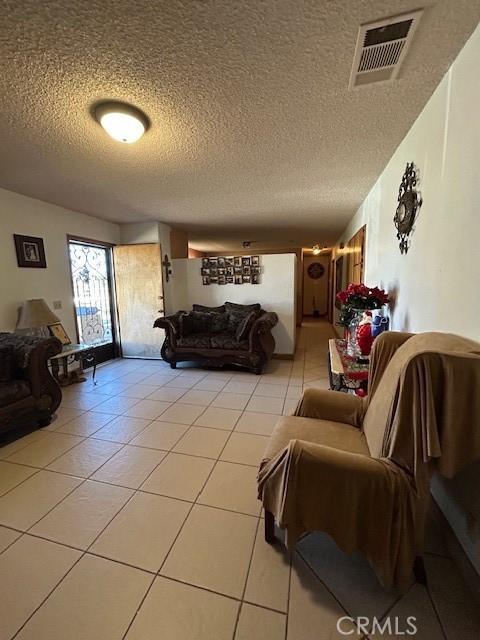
[[360, 469]]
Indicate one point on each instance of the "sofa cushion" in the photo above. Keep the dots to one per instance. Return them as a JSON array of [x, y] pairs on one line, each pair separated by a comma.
[[12, 391], [6, 363], [195, 341], [245, 325], [203, 322], [228, 342], [324, 432], [201, 307]]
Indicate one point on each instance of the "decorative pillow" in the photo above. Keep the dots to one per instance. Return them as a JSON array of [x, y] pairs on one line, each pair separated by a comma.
[[185, 324], [200, 307], [243, 329], [6, 363], [234, 319], [218, 323], [233, 307]]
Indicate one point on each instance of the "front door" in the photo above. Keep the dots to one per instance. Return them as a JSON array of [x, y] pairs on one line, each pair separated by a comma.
[[91, 271], [139, 289]]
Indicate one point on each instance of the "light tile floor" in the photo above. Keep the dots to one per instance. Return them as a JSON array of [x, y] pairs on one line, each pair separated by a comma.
[[134, 515]]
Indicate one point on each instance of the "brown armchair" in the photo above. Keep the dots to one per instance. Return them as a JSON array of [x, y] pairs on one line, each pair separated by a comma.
[[359, 469], [29, 395], [233, 334]]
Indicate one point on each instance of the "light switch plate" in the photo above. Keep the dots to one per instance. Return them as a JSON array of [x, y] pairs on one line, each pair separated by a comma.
[[57, 304]]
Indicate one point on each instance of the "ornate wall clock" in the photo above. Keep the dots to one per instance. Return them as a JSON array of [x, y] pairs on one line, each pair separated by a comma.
[[315, 270], [409, 203]]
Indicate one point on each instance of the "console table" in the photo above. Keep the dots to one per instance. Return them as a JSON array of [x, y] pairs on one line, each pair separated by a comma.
[[346, 372], [84, 354]]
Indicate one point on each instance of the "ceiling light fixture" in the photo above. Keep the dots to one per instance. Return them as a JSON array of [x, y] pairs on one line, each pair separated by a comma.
[[316, 249], [121, 121]]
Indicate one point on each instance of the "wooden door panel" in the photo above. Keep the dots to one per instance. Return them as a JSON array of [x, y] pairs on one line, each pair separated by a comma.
[[139, 290]]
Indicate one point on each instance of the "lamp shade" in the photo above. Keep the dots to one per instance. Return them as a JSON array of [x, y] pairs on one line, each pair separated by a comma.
[[36, 313]]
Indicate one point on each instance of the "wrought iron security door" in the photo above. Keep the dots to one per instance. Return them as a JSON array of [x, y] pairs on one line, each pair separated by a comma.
[[92, 292]]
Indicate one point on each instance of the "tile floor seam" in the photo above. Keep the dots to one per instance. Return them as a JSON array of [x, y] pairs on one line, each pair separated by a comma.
[[37, 470], [287, 614], [194, 455], [191, 509], [246, 578], [47, 596], [437, 615], [83, 480], [317, 577]]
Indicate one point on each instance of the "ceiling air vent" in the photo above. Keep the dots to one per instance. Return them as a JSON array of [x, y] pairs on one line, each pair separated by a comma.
[[381, 48]]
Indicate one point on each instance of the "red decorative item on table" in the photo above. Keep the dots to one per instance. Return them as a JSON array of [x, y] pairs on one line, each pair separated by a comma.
[[357, 300]]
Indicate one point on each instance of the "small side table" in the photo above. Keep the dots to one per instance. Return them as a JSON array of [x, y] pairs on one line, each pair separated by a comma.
[[346, 373], [82, 353]]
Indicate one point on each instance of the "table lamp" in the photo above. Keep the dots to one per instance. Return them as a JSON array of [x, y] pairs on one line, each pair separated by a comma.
[[35, 316]]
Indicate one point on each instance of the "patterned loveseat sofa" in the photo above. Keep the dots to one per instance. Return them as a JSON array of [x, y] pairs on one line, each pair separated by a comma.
[[233, 334], [29, 395]]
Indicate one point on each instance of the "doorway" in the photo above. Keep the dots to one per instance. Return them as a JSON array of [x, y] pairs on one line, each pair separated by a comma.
[[315, 284], [139, 292], [91, 273]]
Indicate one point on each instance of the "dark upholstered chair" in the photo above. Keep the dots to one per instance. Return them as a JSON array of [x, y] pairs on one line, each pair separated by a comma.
[[233, 334], [29, 395]]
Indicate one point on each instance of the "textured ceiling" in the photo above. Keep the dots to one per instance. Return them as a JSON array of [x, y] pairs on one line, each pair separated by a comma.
[[254, 134]]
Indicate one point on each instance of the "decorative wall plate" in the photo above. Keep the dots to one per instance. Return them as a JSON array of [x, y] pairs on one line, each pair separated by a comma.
[[315, 270], [409, 203]]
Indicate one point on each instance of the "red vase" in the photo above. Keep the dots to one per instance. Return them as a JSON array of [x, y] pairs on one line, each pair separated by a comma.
[[365, 338]]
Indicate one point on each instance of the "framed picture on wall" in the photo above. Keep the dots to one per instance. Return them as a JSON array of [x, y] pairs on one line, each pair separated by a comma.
[[246, 261], [205, 271], [229, 262], [213, 262], [238, 271], [222, 280], [30, 252], [246, 270], [238, 279], [230, 279], [246, 279], [255, 278], [255, 270], [237, 261], [205, 262], [213, 279], [230, 271], [206, 280], [255, 261]]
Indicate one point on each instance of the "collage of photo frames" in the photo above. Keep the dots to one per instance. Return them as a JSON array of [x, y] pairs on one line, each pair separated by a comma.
[[232, 270]]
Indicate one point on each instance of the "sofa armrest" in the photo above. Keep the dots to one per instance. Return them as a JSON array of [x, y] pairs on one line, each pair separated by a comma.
[[331, 405], [36, 370], [264, 323], [170, 323]]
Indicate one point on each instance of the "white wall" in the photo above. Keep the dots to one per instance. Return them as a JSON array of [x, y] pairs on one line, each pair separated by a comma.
[[27, 216], [436, 283], [276, 292]]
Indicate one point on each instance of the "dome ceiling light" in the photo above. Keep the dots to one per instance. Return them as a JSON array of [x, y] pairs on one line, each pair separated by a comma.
[[121, 121], [316, 249]]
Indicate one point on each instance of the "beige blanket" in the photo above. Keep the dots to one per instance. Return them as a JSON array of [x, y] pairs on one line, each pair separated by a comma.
[[422, 414]]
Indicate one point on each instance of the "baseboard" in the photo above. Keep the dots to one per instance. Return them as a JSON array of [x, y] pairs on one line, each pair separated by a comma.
[[457, 553], [283, 356]]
